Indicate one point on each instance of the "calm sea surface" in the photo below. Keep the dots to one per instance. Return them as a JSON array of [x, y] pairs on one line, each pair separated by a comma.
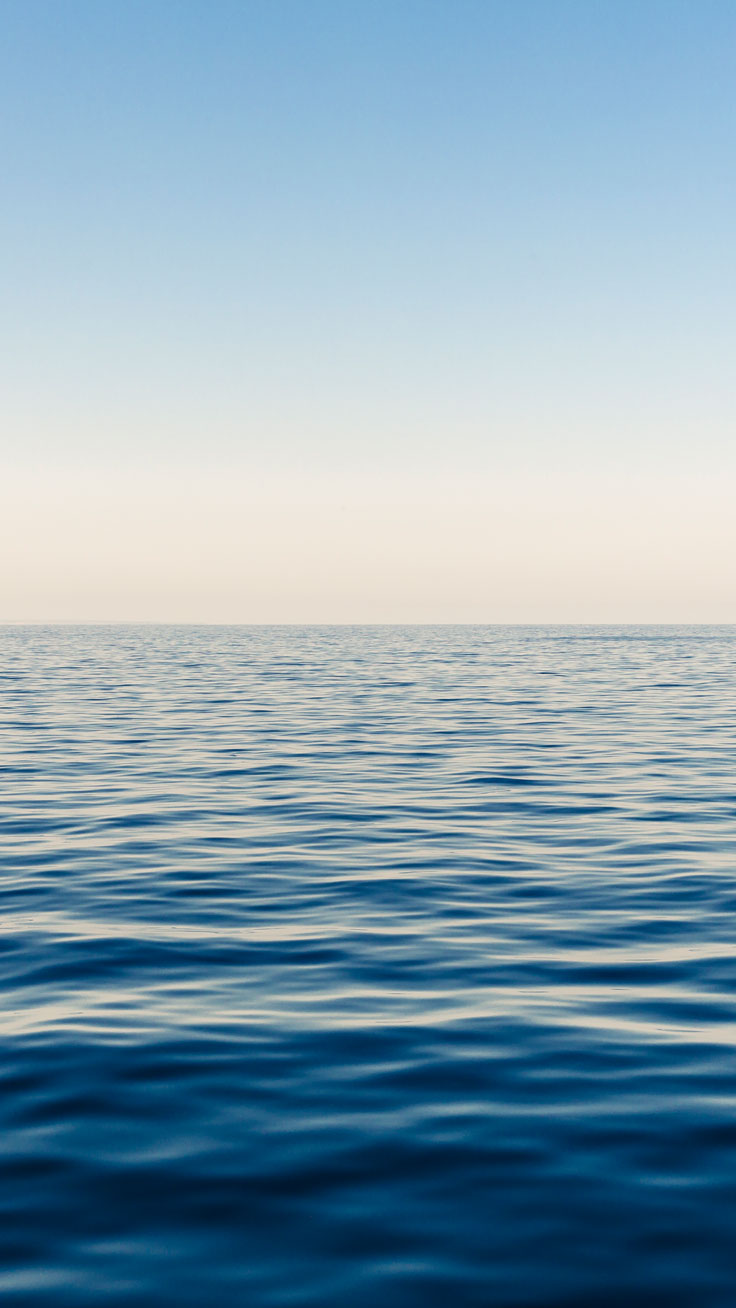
[[380, 966]]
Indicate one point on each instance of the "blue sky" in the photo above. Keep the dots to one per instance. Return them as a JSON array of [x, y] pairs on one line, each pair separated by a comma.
[[367, 272]]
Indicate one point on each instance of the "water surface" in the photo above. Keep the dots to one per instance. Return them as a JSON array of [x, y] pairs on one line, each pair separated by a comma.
[[368, 966]]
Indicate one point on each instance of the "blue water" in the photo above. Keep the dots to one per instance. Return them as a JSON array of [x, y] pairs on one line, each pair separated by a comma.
[[368, 966]]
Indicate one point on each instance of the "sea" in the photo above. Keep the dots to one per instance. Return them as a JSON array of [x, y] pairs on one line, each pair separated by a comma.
[[368, 967]]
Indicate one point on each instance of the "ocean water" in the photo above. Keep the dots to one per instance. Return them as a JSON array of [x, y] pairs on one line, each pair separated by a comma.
[[368, 966]]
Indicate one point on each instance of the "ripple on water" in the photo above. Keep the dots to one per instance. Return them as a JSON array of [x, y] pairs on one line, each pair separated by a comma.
[[358, 965]]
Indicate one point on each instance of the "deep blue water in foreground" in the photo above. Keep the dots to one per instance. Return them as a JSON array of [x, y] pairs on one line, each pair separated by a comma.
[[368, 966]]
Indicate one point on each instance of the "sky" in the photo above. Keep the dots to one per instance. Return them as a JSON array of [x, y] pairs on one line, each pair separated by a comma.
[[390, 311]]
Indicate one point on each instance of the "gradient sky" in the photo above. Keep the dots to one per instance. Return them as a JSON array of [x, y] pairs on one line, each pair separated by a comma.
[[379, 311]]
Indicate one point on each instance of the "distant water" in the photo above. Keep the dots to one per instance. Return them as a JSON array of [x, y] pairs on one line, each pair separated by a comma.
[[382, 967]]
